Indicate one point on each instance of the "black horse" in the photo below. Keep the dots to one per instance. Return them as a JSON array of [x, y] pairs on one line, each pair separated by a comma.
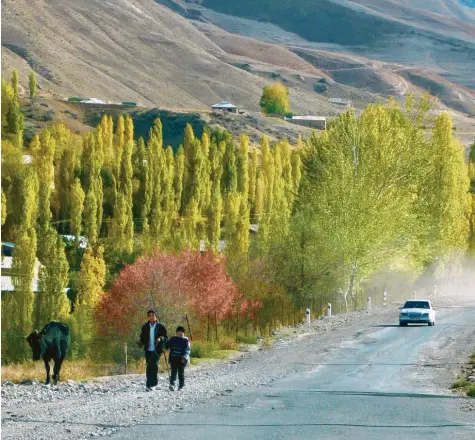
[[52, 342]]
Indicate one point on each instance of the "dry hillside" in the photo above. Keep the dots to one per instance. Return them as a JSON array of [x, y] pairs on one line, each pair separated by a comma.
[[133, 50]]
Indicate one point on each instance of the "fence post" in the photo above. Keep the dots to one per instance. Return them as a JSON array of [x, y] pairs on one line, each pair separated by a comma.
[[329, 310], [368, 304], [125, 350]]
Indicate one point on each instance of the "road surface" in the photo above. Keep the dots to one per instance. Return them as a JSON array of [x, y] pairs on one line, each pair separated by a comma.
[[376, 386]]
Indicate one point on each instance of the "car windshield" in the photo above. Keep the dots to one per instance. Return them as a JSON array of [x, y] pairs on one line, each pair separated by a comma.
[[416, 305]]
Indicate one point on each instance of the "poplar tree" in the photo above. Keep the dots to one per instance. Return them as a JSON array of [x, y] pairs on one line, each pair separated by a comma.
[[43, 150], [206, 183], [260, 193], [15, 84], [157, 169], [253, 179], [179, 176], [92, 161], [231, 216], [143, 196], [77, 207], [90, 286], [17, 307], [243, 166], [4, 208], [169, 207], [449, 186], [242, 227], [51, 301], [229, 179], [268, 175], [215, 215], [65, 175], [296, 171], [32, 84]]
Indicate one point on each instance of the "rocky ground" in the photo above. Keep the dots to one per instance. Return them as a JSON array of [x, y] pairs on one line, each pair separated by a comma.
[[98, 408]]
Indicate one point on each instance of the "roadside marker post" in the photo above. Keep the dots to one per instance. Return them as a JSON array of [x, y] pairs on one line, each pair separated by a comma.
[[385, 297], [368, 304], [307, 315], [415, 294]]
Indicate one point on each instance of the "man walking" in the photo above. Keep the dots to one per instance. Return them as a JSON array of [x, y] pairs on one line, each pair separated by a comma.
[[153, 338]]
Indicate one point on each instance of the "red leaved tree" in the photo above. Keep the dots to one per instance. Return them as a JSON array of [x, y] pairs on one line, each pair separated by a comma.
[[190, 283]]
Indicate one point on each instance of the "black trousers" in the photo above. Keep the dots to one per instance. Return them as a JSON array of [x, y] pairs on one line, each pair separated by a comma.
[[152, 359], [178, 368]]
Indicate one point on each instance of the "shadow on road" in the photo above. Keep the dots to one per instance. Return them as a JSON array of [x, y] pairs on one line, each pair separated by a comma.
[[397, 325]]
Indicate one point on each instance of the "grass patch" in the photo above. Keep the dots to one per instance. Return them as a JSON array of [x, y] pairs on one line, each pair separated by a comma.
[[460, 383], [79, 369], [211, 350], [471, 391]]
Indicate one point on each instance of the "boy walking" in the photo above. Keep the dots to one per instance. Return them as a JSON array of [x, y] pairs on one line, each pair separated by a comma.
[[180, 350]]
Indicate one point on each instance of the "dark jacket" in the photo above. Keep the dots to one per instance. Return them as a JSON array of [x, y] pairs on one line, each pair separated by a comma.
[[160, 331], [180, 349]]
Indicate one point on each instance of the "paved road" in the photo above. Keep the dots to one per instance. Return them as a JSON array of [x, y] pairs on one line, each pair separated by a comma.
[[372, 387]]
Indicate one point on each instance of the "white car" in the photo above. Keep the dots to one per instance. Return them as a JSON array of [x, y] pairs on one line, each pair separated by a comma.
[[417, 311]]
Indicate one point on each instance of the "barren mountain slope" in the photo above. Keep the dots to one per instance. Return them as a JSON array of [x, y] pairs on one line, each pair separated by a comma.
[[121, 50], [439, 36]]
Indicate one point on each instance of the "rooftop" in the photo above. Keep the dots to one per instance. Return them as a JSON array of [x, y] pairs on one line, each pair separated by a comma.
[[223, 104], [309, 118]]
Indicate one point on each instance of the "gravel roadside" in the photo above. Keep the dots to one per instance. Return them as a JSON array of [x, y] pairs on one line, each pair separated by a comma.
[[100, 407]]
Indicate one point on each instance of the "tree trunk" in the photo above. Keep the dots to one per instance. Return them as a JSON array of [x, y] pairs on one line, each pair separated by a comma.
[[208, 329], [216, 325], [237, 323]]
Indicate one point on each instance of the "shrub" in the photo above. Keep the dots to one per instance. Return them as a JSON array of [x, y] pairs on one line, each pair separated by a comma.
[[471, 391], [228, 343], [323, 81], [460, 383], [320, 88], [203, 349], [75, 99], [249, 339]]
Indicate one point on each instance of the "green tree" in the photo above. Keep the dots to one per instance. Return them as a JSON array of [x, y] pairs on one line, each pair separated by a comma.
[[16, 83], [43, 149], [77, 207], [253, 179], [179, 176], [51, 301], [17, 307], [32, 84], [4, 208], [229, 178], [361, 182], [243, 166], [90, 287], [275, 99]]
